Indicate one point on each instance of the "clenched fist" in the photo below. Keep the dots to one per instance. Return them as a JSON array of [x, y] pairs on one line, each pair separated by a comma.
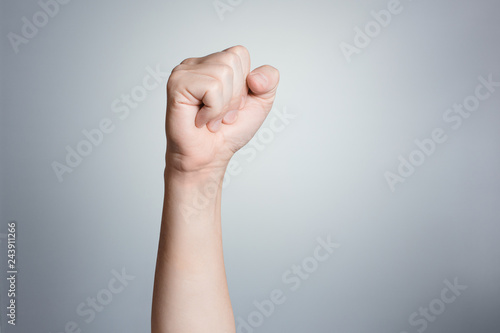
[[215, 105]]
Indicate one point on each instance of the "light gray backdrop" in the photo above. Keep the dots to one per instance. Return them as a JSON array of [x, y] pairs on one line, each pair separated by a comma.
[[384, 141]]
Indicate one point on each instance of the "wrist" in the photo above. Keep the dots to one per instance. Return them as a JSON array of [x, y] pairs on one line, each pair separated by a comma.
[[194, 179], [181, 168], [193, 196], [198, 189]]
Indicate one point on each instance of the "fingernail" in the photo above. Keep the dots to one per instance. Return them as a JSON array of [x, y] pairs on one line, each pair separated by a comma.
[[259, 77], [231, 116]]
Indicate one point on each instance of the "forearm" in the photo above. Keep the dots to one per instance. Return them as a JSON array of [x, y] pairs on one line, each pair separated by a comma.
[[215, 105], [190, 291]]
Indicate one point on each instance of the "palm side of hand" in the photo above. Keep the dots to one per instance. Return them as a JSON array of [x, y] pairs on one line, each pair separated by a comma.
[[215, 105]]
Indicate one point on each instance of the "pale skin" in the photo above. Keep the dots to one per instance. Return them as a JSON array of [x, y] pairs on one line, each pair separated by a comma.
[[215, 105]]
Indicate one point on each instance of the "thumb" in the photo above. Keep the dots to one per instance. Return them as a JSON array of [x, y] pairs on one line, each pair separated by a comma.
[[263, 82]]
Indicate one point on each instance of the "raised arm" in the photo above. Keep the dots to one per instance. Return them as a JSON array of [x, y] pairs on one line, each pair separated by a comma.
[[214, 107]]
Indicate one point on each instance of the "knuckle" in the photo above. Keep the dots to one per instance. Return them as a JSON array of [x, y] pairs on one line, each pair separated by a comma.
[[175, 79], [179, 67], [179, 72], [188, 61], [240, 50], [230, 58]]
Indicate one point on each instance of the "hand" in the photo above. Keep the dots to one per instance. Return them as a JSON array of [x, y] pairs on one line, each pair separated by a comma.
[[215, 105]]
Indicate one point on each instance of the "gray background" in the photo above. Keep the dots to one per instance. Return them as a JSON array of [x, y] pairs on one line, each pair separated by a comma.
[[322, 175]]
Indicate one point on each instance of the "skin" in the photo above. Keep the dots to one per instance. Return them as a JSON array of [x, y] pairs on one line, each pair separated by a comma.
[[215, 105]]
